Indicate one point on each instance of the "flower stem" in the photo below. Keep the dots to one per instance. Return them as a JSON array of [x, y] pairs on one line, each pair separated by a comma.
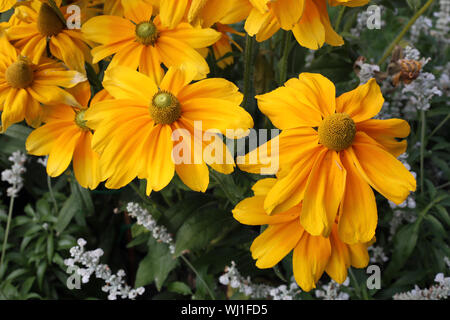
[[422, 148], [284, 58], [52, 195], [439, 126], [8, 224], [248, 54], [189, 264], [339, 19], [404, 31]]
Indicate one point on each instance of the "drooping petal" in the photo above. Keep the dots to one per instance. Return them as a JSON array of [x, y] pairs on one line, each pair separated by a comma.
[[323, 194], [51, 95], [150, 64], [251, 211], [358, 213], [385, 133], [362, 103], [40, 141], [339, 259], [309, 31], [309, 260], [86, 162], [381, 170], [288, 12], [275, 243], [62, 151], [161, 167], [14, 107]]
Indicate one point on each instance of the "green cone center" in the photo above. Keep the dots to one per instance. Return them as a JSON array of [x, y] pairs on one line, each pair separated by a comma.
[[165, 108], [146, 33], [337, 131], [79, 120]]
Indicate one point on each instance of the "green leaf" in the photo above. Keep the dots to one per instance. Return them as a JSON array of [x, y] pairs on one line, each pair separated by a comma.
[[19, 132], [50, 248], [40, 272], [156, 265], [443, 214], [85, 197], [70, 208], [179, 287], [200, 229]]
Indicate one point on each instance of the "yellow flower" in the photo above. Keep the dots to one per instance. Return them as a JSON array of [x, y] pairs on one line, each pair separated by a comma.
[[140, 41], [133, 133], [43, 24], [223, 46], [23, 85], [65, 136], [115, 7], [331, 152], [308, 20], [6, 4], [312, 255]]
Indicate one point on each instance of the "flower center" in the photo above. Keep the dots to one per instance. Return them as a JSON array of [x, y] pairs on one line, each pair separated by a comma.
[[19, 74], [79, 120], [337, 131], [146, 33], [48, 23], [165, 108]]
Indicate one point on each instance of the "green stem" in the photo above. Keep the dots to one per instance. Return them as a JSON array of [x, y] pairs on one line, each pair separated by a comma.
[[52, 195], [424, 212], [339, 19], [248, 54], [230, 197], [404, 31], [439, 126], [356, 284], [211, 294], [284, 58], [8, 224], [139, 193], [422, 148]]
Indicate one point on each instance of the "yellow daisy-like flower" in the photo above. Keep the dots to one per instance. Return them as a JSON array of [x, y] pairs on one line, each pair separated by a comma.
[[331, 152], [138, 40], [24, 85], [65, 136], [44, 24], [312, 255], [133, 133], [308, 20]]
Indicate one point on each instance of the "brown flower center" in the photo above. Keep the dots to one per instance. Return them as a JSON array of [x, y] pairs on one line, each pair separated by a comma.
[[337, 131], [19, 74], [146, 33], [49, 23], [165, 108]]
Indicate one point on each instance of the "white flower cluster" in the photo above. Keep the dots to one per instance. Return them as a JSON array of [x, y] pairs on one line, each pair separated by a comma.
[[233, 278], [439, 291], [367, 71], [405, 210], [14, 175], [422, 25], [442, 27], [422, 90], [362, 20], [377, 255], [90, 262], [145, 219], [331, 291]]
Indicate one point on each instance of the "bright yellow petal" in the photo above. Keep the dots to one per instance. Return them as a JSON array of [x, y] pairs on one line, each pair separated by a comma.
[[381, 170], [108, 29], [194, 37], [323, 195], [172, 11], [339, 259], [358, 213], [385, 133], [161, 167], [86, 162], [275, 243], [362, 103], [288, 12], [62, 151], [309, 260], [309, 31], [177, 78], [150, 64], [137, 10], [125, 83], [14, 107], [40, 141]]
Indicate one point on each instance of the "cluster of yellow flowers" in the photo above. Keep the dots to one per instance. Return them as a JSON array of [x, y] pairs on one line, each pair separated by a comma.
[[320, 203]]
